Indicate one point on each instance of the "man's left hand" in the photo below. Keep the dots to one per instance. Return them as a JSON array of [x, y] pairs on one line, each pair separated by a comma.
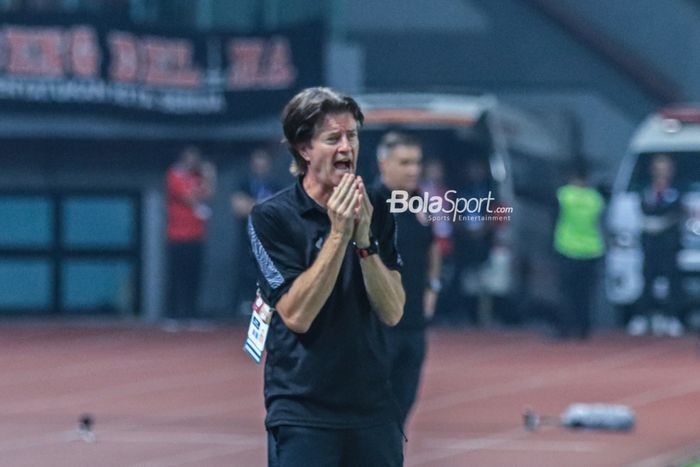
[[363, 217]]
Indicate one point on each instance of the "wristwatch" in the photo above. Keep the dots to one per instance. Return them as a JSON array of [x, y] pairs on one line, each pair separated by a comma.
[[372, 249]]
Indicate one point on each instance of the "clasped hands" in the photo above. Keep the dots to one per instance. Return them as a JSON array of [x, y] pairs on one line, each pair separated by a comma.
[[350, 210]]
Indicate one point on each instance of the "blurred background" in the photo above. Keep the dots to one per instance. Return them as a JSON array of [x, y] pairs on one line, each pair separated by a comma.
[[99, 97], [136, 135]]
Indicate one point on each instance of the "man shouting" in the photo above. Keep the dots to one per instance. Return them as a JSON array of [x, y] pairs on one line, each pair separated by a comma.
[[327, 263]]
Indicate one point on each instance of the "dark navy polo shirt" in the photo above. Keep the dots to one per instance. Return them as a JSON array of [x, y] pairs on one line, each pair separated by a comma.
[[414, 240], [336, 374]]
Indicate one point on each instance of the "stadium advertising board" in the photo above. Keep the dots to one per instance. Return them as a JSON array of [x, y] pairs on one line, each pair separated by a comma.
[[84, 66]]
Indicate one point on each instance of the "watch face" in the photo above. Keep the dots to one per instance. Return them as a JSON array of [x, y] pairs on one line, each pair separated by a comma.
[[372, 249]]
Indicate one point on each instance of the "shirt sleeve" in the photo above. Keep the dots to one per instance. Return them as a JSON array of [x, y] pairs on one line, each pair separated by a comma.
[[384, 230], [278, 260]]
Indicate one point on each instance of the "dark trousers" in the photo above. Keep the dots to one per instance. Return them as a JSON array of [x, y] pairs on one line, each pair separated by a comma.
[[296, 446], [660, 261], [578, 279], [184, 277], [406, 349]]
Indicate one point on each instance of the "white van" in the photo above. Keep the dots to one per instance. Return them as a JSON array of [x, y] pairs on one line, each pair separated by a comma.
[[674, 131]]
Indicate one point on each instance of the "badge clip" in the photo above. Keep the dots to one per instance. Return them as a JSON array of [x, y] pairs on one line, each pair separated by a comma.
[[257, 330]]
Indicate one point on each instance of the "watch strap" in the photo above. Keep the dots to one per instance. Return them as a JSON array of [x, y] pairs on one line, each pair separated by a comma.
[[370, 250]]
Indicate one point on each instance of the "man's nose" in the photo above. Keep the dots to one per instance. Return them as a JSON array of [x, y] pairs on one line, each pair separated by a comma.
[[344, 144]]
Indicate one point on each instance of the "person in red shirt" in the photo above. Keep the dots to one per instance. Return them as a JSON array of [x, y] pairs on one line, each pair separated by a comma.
[[190, 181]]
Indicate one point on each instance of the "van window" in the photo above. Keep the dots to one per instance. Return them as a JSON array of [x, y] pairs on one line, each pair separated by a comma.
[[687, 170]]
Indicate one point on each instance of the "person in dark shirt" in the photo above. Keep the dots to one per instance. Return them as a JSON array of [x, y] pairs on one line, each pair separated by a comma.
[[472, 237], [662, 210], [328, 265], [254, 186], [400, 160]]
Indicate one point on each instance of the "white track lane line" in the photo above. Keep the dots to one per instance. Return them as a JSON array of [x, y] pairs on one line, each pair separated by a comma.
[[121, 391], [540, 380], [501, 440], [476, 357], [458, 447], [674, 457], [659, 394], [195, 458], [92, 367]]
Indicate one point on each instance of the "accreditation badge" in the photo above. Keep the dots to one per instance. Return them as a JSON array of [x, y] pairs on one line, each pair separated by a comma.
[[257, 330]]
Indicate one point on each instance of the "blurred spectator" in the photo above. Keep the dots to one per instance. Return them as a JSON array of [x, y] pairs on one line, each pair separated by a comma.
[[473, 238], [257, 184], [433, 183], [399, 157], [579, 246], [190, 181], [662, 209]]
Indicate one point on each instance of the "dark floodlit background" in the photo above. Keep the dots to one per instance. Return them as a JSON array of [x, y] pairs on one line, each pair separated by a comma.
[[98, 96]]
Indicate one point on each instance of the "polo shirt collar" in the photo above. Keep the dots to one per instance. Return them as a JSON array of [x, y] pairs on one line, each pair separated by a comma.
[[306, 202]]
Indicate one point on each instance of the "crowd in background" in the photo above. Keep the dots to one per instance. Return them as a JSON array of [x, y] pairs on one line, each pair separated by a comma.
[[578, 244]]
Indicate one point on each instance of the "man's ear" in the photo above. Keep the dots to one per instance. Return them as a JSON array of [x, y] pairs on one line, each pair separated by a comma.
[[303, 150]]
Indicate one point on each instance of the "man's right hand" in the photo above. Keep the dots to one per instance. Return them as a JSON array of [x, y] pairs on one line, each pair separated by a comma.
[[343, 206]]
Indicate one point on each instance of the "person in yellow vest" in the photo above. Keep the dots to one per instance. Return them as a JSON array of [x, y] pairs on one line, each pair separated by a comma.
[[579, 245]]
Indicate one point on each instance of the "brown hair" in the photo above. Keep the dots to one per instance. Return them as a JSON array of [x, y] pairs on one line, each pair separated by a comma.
[[305, 111]]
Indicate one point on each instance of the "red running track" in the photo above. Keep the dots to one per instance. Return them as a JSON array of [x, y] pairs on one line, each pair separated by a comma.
[[195, 399]]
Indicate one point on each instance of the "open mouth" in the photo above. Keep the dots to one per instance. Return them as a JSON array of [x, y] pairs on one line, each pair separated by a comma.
[[343, 166]]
